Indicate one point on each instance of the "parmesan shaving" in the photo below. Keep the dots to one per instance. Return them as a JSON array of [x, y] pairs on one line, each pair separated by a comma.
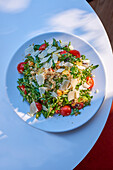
[[74, 82], [35, 53], [77, 95], [61, 63], [55, 58], [54, 94], [58, 51], [81, 67], [63, 44], [40, 79], [51, 49], [71, 95], [64, 85], [42, 54], [68, 64], [60, 70], [44, 108], [86, 61], [29, 50], [82, 88], [71, 47], [33, 108], [42, 90], [45, 59], [86, 85]]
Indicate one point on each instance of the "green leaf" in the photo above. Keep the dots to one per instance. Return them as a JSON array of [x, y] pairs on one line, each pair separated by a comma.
[[73, 112], [54, 42], [36, 47], [83, 57], [47, 43], [30, 58]]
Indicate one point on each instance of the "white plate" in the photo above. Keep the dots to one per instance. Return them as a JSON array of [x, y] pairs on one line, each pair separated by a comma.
[[56, 123]]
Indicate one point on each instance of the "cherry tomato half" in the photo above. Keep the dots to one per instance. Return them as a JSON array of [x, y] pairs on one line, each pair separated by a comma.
[[39, 106], [23, 89], [20, 67], [42, 47], [50, 69], [90, 82], [79, 105], [65, 110], [63, 52], [75, 53]]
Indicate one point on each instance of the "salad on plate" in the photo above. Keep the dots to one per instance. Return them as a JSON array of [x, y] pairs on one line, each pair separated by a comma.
[[57, 79]]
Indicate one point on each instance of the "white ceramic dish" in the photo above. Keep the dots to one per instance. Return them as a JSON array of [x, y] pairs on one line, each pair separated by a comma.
[[56, 123]]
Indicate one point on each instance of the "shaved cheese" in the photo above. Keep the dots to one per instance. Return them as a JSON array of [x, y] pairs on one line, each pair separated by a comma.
[[33, 84], [42, 54], [63, 44], [29, 50], [45, 59], [54, 94], [40, 79], [69, 87], [58, 51], [51, 49], [61, 63], [48, 65], [64, 85], [86, 85], [86, 61], [82, 88], [71, 95], [60, 70], [71, 47], [68, 64], [44, 108], [77, 94], [81, 67], [35, 53], [33, 108], [55, 58], [42, 90], [74, 82]]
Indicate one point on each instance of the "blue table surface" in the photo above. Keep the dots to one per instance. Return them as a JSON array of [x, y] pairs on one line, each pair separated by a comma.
[[24, 147]]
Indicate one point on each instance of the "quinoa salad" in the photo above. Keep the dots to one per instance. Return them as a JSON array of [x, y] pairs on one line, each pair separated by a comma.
[[56, 79]]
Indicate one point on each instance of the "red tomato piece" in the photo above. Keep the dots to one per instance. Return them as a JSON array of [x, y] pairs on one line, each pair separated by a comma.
[[20, 67], [57, 111], [75, 53], [65, 110], [63, 52], [50, 69], [80, 105], [23, 89], [42, 47], [39, 106], [90, 82]]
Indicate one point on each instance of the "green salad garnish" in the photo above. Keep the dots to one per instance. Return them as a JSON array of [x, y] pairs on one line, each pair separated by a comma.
[[57, 79]]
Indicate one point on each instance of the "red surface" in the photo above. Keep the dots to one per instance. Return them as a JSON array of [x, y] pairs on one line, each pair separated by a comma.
[[101, 155]]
